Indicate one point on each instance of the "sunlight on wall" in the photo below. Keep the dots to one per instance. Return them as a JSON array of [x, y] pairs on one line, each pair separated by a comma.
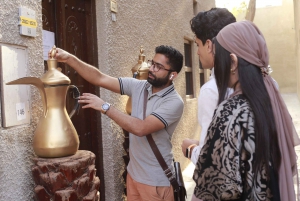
[[230, 4]]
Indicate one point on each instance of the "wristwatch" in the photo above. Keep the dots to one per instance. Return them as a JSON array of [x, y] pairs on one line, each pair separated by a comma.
[[105, 107]]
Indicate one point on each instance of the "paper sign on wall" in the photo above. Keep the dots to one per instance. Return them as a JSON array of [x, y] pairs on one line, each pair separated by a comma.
[[48, 42]]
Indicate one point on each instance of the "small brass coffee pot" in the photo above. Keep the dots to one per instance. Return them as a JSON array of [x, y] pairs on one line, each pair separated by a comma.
[[140, 71], [55, 135]]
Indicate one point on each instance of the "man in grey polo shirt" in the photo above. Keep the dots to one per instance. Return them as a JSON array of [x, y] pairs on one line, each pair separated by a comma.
[[146, 179]]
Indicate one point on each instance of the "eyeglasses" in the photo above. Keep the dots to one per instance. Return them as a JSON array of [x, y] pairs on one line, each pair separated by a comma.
[[157, 66]]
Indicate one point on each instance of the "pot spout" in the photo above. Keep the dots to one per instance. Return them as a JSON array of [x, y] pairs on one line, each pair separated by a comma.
[[35, 82]]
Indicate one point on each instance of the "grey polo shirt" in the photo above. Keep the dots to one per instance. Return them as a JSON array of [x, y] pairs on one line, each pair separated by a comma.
[[167, 106]]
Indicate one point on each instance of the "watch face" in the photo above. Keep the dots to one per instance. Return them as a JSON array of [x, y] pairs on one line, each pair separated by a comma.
[[105, 106]]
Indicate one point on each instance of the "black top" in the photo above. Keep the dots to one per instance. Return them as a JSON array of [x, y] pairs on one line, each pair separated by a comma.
[[224, 170]]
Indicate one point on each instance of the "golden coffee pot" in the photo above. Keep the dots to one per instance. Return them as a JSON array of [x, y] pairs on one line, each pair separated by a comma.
[[55, 135], [139, 71]]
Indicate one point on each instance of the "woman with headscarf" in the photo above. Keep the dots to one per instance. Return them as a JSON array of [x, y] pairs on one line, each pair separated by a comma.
[[248, 153]]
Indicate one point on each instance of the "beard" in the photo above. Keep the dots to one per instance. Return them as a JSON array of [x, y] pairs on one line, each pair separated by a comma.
[[158, 82]]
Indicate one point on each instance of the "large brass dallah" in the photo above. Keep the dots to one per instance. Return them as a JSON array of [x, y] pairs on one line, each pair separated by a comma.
[[55, 135], [139, 71]]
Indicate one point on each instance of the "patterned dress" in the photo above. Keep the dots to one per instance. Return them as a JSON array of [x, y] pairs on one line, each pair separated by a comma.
[[224, 170]]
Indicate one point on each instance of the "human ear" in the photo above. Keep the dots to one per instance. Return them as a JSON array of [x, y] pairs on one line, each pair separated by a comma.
[[173, 75], [234, 61], [209, 45]]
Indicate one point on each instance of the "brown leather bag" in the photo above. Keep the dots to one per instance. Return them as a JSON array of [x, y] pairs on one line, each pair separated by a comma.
[[180, 194], [175, 179]]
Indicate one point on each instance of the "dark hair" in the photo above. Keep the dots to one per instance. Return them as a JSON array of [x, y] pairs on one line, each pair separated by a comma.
[[207, 24], [254, 90], [174, 56]]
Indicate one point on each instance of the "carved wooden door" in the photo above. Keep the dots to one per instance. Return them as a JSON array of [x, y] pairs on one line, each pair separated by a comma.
[[73, 22]]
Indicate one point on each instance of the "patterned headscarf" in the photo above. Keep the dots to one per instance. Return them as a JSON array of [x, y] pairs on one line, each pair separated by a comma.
[[246, 41]]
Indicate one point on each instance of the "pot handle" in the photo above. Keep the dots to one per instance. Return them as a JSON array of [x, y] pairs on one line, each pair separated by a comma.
[[76, 94]]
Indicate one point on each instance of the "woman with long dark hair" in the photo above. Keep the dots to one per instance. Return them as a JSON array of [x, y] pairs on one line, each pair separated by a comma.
[[249, 149]]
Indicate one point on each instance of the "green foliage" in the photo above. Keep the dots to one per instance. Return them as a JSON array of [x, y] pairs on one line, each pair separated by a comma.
[[239, 9]]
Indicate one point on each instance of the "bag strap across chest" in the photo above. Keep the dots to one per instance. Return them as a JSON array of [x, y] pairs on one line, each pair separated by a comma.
[[159, 157]]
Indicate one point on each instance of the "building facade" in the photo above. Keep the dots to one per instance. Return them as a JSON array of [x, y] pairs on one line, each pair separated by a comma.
[[278, 23], [279, 31], [297, 36]]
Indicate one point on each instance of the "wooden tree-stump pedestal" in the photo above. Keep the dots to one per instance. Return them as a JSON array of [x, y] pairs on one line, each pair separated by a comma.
[[71, 178]]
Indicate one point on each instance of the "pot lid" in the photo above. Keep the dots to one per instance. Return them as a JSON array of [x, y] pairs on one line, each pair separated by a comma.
[[54, 76], [142, 65]]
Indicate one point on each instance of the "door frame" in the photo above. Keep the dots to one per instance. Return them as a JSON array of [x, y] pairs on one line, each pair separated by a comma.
[[92, 59]]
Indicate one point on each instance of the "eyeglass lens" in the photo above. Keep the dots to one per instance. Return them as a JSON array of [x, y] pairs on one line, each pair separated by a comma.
[[156, 66]]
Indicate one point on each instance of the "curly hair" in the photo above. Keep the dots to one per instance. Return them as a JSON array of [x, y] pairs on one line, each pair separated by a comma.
[[207, 24], [174, 56]]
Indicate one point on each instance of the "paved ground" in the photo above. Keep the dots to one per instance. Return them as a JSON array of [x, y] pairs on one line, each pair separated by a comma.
[[293, 105]]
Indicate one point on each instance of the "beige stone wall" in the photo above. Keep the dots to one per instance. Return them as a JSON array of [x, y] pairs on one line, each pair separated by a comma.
[[147, 23], [277, 25], [297, 43], [16, 142]]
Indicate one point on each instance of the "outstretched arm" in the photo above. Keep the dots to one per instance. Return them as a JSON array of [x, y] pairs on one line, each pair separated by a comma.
[[133, 125], [88, 72]]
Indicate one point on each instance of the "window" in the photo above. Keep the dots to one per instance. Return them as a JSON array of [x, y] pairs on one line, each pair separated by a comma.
[[188, 62], [201, 73]]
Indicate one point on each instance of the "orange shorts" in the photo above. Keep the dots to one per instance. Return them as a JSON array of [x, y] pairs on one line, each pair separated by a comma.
[[141, 192]]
